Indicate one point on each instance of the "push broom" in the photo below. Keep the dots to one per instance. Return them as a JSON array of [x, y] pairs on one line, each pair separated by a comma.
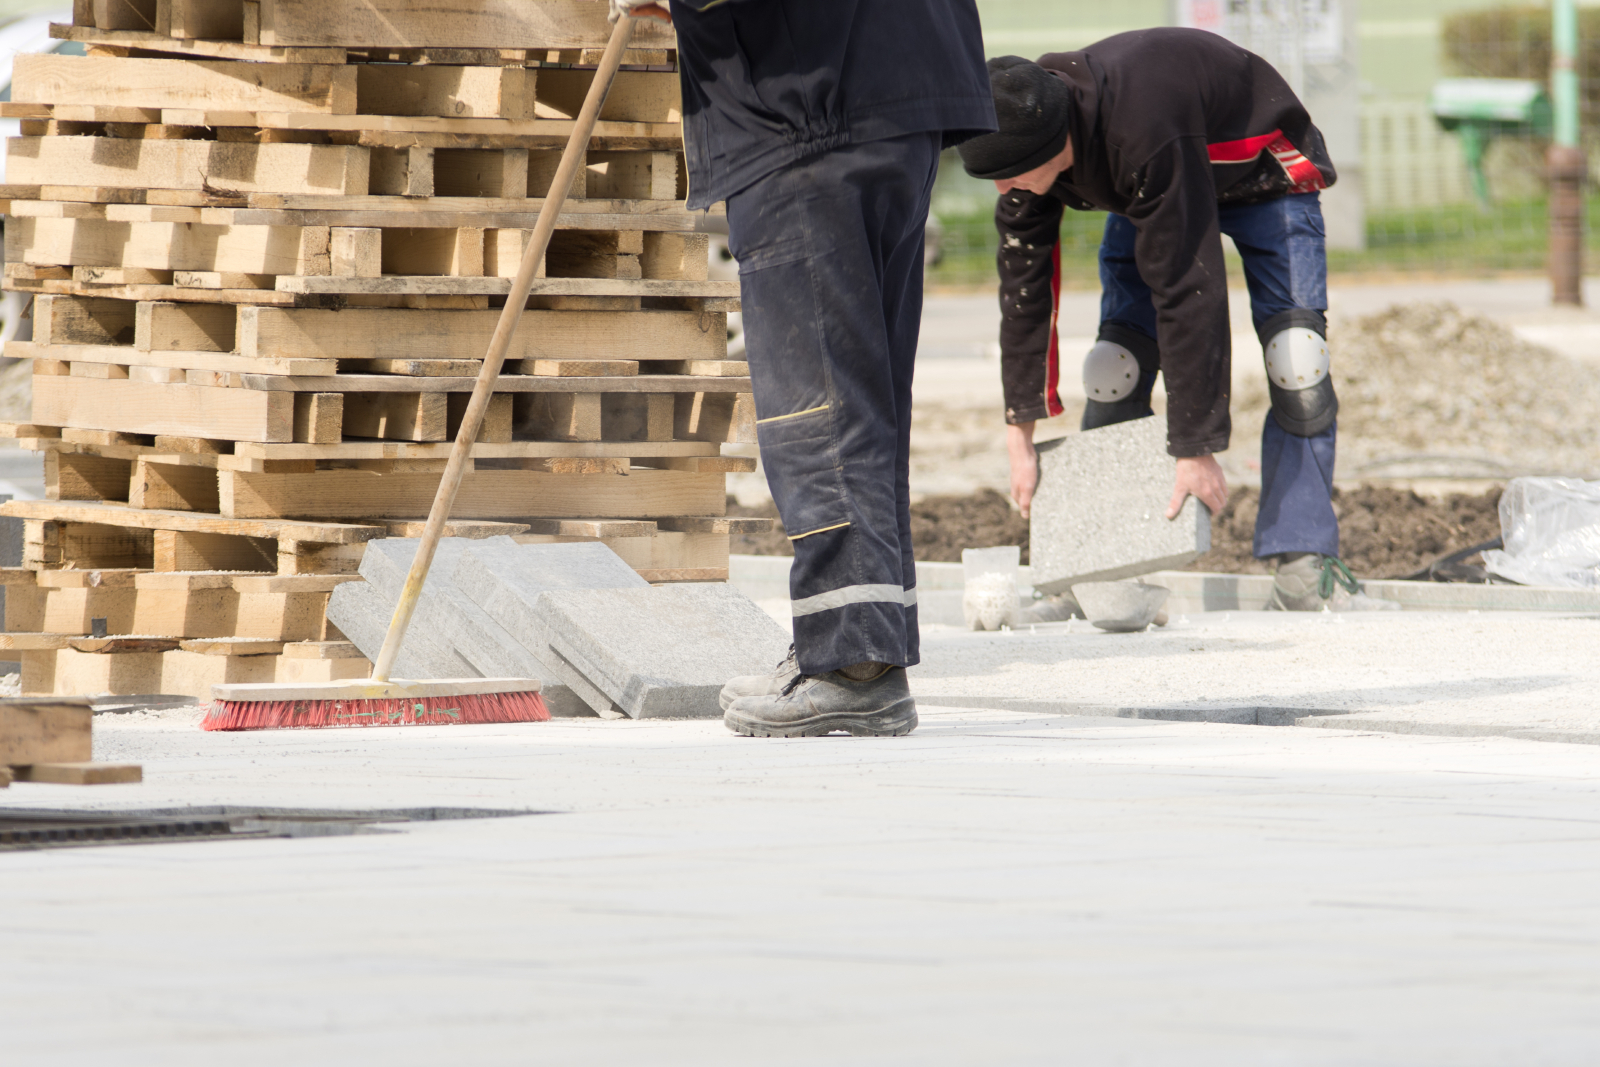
[[381, 700]]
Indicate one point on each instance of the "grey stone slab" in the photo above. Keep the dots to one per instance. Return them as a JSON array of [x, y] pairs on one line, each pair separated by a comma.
[[1100, 510], [466, 642], [505, 579], [446, 612], [663, 652], [362, 614]]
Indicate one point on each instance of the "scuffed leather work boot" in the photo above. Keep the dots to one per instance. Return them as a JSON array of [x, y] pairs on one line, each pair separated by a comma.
[[760, 685], [810, 706]]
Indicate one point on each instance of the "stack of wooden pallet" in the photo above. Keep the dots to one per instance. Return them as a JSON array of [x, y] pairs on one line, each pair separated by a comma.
[[268, 241], [50, 739]]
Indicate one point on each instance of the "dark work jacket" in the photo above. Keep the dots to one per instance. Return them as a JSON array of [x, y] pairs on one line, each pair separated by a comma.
[[768, 82], [1166, 123]]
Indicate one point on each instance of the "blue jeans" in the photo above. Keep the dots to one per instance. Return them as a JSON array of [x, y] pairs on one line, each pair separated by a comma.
[[1285, 267], [830, 275]]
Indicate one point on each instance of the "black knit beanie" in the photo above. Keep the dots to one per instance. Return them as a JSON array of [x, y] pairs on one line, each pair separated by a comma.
[[1031, 106]]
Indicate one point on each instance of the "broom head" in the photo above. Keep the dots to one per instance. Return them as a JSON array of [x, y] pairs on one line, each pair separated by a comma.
[[359, 702]]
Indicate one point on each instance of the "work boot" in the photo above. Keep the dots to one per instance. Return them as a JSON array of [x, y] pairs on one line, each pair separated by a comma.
[[760, 685], [879, 705], [1309, 581]]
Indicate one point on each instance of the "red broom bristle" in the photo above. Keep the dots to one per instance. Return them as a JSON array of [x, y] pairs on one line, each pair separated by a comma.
[[395, 711]]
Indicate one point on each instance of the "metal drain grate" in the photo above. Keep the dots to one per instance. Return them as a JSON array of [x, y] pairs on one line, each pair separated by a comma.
[[21, 830]]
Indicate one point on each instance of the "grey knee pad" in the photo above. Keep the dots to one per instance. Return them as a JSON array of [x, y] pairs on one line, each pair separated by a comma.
[[1118, 375], [1298, 377]]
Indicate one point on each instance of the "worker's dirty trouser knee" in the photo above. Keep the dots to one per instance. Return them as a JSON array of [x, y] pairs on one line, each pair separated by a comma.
[[830, 268]]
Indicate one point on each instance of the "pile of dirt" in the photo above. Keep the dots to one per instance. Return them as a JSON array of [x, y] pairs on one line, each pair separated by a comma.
[[1384, 533], [941, 526], [1428, 390]]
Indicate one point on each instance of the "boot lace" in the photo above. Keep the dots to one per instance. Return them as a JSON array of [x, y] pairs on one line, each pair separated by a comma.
[[1334, 572]]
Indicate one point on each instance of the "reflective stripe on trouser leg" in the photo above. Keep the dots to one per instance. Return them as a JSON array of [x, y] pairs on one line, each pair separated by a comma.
[[830, 259], [855, 594]]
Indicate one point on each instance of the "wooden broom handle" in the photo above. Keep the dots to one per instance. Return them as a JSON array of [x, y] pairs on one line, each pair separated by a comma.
[[489, 374]]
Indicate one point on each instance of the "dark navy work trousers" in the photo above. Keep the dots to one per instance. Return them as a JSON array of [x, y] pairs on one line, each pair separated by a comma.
[[830, 273], [1285, 266]]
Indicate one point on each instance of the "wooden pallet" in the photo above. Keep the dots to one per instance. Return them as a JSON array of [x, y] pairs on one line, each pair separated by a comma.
[[49, 739], [79, 254], [201, 93], [482, 25], [261, 308], [133, 665]]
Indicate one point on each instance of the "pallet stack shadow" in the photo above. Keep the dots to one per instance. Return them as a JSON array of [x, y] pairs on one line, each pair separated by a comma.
[[268, 242]]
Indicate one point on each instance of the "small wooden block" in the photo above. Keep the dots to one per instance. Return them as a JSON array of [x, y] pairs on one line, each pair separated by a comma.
[[81, 773], [44, 729], [215, 279], [33, 642], [5, 777], [357, 252], [319, 418]]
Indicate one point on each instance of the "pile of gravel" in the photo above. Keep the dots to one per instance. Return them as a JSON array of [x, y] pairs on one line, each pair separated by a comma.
[[1428, 390]]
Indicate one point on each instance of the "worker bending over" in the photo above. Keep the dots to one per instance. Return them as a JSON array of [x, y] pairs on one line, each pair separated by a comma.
[[820, 122], [1182, 136]]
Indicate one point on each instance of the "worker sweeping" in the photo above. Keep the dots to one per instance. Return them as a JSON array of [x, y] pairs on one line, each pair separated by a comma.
[[1183, 137], [820, 122]]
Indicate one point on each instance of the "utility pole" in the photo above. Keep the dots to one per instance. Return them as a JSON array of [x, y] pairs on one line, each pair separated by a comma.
[[1567, 165]]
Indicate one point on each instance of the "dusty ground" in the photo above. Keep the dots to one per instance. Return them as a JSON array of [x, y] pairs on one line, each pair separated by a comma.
[[1385, 533]]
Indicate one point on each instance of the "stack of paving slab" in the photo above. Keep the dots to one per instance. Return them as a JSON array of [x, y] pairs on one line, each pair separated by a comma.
[[268, 242], [601, 639]]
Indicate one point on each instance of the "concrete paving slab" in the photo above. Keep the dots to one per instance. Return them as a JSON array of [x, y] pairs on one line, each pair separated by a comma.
[[1196, 591], [1100, 510], [662, 652], [997, 888], [1514, 674], [447, 613], [362, 614], [505, 579]]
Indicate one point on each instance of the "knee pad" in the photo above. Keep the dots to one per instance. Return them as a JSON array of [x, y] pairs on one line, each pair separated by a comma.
[[1298, 376], [1110, 373], [1118, 375]]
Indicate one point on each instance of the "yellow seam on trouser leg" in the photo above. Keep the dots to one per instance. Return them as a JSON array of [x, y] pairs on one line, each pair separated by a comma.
[[791, 415], [825, 529]]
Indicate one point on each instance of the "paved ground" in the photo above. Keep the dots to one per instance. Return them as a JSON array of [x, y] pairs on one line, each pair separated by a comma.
[[1006, 887]]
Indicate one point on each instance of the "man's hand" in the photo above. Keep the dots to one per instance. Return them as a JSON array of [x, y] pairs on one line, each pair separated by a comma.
[[1198, 476], [1024, 464], [640, 9]]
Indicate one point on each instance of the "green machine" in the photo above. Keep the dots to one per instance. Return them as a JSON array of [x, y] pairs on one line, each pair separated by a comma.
[[1481, 109]]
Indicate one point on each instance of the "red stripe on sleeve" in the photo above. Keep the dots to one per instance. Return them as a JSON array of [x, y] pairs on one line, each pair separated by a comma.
[[1241, 151], [1052, 369]]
